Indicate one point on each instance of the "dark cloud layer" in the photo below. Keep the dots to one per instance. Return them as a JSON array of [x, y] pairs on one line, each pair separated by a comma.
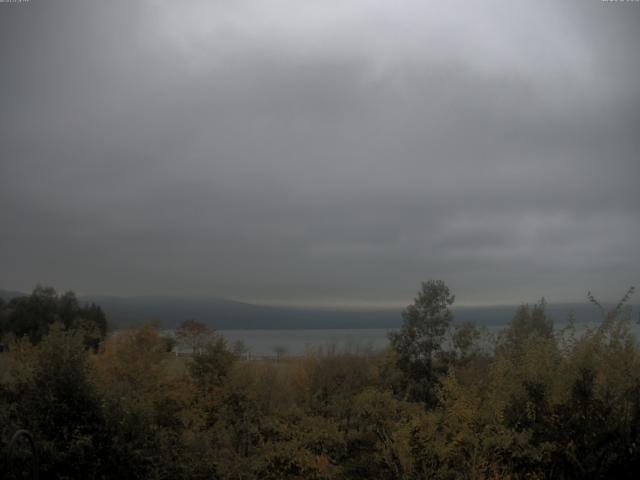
[[321, 152]]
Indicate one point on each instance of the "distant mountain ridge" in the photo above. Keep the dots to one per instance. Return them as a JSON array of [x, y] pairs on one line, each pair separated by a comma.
[[224, 314], [228, 314], [7, 295]]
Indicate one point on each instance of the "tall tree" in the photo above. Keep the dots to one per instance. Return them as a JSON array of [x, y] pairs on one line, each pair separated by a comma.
[[211, 366], [54, 398], [194, 335], [420, 338], [526, 322]]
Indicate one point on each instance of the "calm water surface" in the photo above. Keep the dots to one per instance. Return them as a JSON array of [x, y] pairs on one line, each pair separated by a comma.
[[297, 342], [263, 343]]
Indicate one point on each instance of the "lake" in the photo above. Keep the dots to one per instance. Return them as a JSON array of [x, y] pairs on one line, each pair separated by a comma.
[[297, 342], [261, 343]]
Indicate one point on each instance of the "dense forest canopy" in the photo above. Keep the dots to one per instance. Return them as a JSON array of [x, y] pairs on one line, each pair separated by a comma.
[[33, 315], [443, 401]]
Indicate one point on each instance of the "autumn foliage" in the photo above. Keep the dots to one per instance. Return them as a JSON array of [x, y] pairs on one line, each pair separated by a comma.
[[444, 401]]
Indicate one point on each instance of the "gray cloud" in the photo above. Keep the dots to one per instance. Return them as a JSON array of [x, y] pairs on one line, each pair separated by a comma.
[[320, 151]]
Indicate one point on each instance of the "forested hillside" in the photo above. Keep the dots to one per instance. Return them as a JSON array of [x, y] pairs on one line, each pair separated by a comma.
[[444, 401]]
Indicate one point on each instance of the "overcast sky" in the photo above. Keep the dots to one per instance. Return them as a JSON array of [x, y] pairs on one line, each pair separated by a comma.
[[326, 152]]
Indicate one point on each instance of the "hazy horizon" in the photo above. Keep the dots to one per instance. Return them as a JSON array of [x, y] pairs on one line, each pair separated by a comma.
[[583, 303]]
